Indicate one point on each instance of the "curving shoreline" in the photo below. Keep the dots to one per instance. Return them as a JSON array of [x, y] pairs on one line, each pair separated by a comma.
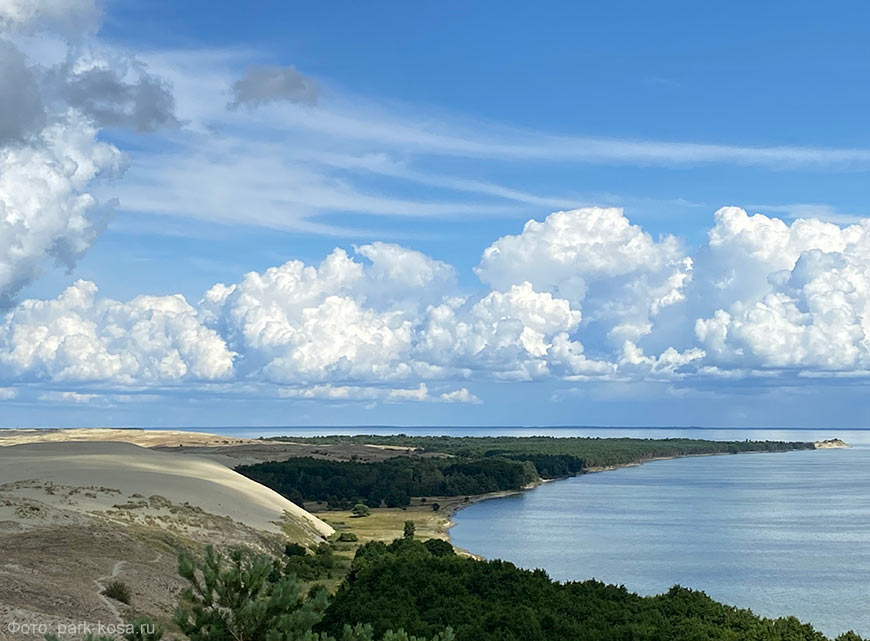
[[744, 530], [454, 509]]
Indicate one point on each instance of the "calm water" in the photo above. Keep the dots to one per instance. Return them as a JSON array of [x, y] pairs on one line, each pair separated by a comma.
[[785, 533]]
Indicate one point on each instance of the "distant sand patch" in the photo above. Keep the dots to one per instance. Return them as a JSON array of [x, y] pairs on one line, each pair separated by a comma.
[[137, 436], [831, 443]]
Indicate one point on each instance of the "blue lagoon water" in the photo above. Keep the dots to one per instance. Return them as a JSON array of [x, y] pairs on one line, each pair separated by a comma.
[[782, 534]]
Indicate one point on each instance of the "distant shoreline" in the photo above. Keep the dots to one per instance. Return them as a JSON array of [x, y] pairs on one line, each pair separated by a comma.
[[222, 430]]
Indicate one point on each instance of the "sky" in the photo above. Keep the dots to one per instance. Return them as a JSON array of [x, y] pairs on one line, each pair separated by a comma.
[[390, 213]]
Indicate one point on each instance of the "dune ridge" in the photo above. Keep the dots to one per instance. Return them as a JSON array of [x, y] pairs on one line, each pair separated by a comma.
[[134, 470]]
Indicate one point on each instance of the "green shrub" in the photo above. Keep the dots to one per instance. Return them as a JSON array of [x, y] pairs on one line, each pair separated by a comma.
[[409, 530], [119, 591], [437, 547], [232, 597], [294, 549], [361, 509], [347, 537]]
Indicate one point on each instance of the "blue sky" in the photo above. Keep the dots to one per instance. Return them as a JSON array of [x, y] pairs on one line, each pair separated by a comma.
[[246, 137]]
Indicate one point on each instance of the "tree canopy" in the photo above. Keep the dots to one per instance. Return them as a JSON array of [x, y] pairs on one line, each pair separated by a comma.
[[423, 588]]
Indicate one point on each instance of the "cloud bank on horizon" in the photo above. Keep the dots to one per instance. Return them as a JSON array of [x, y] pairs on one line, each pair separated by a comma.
[[583, 295], [578, 297]]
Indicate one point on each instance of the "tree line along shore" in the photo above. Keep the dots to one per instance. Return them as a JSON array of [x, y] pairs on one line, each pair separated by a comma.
[[430, 478], [441, 466]]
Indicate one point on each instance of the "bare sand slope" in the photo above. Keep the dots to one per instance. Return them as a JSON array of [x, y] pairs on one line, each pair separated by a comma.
[[134, 470], [74, 515], [145, 438]]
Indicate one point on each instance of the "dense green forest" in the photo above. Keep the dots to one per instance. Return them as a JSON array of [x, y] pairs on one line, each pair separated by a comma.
[[474, 465], [594, 452], [424, 588], [392, 482]]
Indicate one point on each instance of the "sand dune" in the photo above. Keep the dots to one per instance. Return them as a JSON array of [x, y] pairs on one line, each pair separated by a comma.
[[134, 470], [74, 514]]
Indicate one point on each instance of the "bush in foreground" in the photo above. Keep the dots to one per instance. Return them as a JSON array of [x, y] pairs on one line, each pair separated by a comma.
[[294, 549], [238, 597]]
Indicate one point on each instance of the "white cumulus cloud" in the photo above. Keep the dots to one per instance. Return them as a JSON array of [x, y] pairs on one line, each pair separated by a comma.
[[298, 323], [461, 395], [598, 261], [57, 91], [799, 294], [46, 213], [388, 324], [81, 337], [69, 17]]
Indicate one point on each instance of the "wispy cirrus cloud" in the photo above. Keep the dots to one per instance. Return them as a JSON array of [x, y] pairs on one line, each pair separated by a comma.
[[303, 152], [482, 140]]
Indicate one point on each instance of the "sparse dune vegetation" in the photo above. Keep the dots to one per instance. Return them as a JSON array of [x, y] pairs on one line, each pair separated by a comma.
[[90, 530]]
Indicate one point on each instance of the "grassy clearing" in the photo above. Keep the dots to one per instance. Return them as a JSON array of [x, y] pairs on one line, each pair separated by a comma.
[[383, 524], [386, 523]]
